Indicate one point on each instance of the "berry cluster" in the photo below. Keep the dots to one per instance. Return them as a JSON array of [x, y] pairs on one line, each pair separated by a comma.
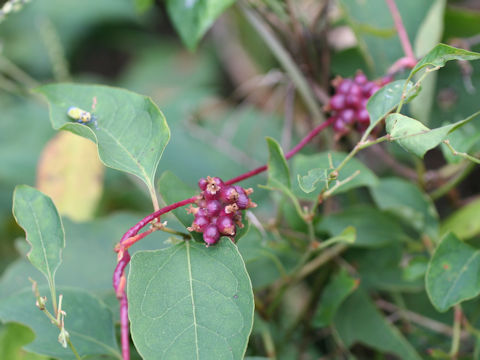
[[348, 105], [219, 209]]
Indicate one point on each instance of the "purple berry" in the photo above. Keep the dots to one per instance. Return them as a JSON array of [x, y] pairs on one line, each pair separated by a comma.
[[202, 183], [242, 201], [344, 86], [339, 126], [347, 115], [373, 90], [363, 117], [360, 78], [354, 101], [226, 226], [355, 90], [228, 194], [213, 207], [337, 102], [211, 234], [200, 223]]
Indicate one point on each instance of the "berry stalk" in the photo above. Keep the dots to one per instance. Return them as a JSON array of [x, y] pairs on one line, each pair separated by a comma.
[[402, 33]]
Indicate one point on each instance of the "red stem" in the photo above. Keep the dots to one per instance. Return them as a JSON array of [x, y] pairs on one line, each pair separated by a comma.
[[130, 237], [402, 33]]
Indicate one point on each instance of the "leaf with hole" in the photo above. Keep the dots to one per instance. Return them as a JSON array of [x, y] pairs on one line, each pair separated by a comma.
[[131, 133], [190, 302], [452, 274]]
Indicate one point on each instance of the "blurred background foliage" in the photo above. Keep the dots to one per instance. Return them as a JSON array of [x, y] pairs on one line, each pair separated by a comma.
[[220, 102]]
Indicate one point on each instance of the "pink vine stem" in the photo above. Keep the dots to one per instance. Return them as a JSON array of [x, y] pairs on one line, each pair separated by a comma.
[[132, 236]]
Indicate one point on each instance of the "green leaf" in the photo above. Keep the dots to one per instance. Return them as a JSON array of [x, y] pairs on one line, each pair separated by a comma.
[[132, 132], [452, 274], [190, 302], [88, 322], [408, 202], [415, 137], [386, 99], [374, 228], [278, 173], [302, 164], [440, 54], [464, 222], [37, 215], [358, 321], [309, 182], [13, 337], [336, 291], [192, 18]]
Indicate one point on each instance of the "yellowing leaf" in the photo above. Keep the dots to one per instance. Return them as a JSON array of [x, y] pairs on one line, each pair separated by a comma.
[[70, 172]]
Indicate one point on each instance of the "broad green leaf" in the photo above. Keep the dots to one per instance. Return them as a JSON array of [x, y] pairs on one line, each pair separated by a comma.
[[464, 223], [407, 201], [337, 290], [358, 321], [374, 228], [132, 132], [386, 99], [314, 177], [278, 173], [143, 5], [69, 163], [37, 215], [13, 337], [415, 137], [192, 18], [440, 54], [302, 164], [452, 274], [88, 322], [190, 302]]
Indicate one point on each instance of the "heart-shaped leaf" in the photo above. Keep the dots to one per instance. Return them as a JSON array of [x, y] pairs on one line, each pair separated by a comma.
[[190, 302]]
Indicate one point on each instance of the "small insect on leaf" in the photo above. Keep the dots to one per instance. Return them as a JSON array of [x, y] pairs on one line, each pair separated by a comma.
[[82, 116]]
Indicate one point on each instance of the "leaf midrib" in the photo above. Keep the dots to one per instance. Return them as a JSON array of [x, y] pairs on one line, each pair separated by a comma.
[[190, 279]]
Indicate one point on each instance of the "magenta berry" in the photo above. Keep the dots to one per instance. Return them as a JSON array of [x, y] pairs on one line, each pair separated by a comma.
[[226, 226], [348, 103], [211, 235], [219, 209], [202, 183], [228, 194], [213, 207]]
